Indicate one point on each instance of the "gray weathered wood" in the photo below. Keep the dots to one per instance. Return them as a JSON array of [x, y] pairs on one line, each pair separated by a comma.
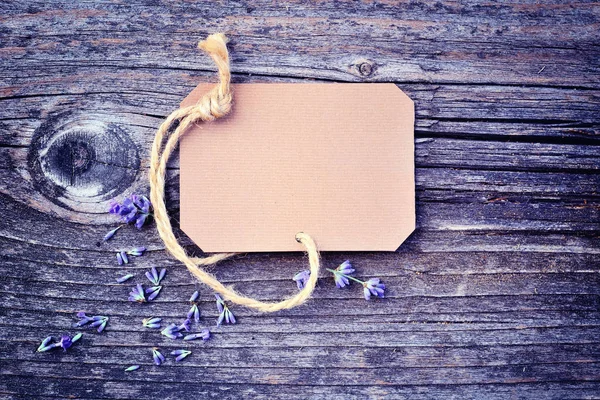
[[496, 295]]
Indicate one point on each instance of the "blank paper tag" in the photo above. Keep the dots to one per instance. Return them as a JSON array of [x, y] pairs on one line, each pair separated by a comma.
[[332, 160]]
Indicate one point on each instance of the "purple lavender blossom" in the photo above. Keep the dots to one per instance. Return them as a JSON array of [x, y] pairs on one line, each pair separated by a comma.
[[119, 259], [124, 257], [341, 272], [157, 356], [154, 277], [181, 354], [172, 332], [137, 294], [152, 292], [373, 287], [111, 233], [194, 312], [132, 368], [204, 335], [194, 296], [99, 321], [65, 342], [137, 251], [134, 209], [301, 278], [124, 278], [153, 323], [225, 314]]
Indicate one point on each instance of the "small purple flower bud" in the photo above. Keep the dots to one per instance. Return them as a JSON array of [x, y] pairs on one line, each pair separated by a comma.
[[111, 233], [124, 278], [65, 342], [194, 312], [153, 292], [140, 221], [77, 337], [153, 323], [185, 325], [124, 257], [137, 294], [132, 368], [119, 259], [373, 287], [194, 296], [44, 343], [171, 331]]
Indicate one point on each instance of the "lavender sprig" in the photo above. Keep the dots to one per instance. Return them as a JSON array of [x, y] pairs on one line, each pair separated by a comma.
[[225, 314], [157, 356], [204, 335], [301, 278], [153, 323], [371, 287], [181, 354], [154, 277], [65, 342]]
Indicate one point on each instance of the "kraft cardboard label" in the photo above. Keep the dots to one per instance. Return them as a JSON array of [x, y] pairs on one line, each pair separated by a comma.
[[333, 160]]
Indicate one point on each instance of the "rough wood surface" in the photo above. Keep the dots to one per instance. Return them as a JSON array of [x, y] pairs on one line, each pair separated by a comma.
[[496, 295]]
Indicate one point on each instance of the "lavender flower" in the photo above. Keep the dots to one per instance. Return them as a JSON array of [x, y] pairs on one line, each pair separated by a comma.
[[194, 296], [137, 251], [153, 323], [137, 294], [172, 332], [119, 259], [373, 287], [124, 278], [194, 312], [225, 313], [132, 368], [134, 209], [181, 354], [152, 292], [204, 335], [124, 257], [301, 278], [154, 277], [111, 233], [65, 342], [157, 356], [341, 273]]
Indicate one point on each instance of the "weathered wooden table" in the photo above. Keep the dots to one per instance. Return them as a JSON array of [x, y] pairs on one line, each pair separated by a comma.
[[494, 296]]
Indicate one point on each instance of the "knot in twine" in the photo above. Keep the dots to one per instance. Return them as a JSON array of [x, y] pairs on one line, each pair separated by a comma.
[[214, 104]]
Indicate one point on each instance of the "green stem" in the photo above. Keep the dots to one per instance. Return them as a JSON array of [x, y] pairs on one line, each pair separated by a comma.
[[347, 276]]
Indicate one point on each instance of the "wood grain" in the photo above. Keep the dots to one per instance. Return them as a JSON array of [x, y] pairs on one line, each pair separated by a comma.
[[496, 295]]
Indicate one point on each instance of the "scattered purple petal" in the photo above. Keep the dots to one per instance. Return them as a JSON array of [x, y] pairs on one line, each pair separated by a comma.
[[119, 259], [194, 296], [137, 294], [172, 332], [133, 208], [153, 323], [124, 278], [181, 354], [301, 278], [132, 368], [157, 356], [124, 257], [111, 233], [204, 335], [137, 251], [154, 277], [225, 314], [153, 292]]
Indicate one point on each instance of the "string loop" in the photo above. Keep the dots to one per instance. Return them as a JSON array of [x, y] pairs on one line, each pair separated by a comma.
[[214, 104]]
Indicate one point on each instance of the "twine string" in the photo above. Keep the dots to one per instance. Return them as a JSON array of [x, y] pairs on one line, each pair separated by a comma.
[[214, 104]]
